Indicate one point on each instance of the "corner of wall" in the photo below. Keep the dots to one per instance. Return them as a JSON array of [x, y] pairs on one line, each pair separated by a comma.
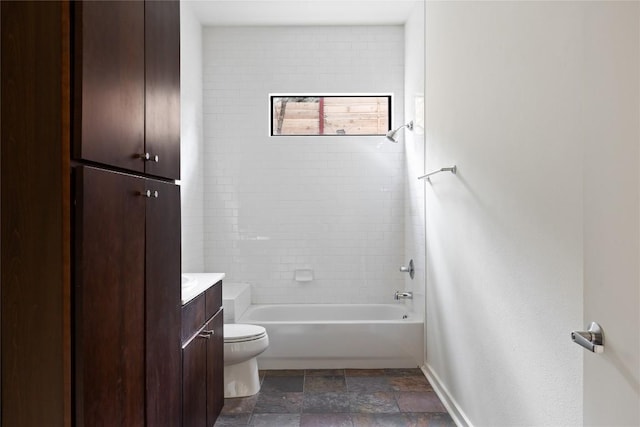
[[192, 154], [414, 148], [452, 406]]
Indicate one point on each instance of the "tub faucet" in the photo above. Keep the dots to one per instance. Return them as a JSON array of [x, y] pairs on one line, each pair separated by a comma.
[[403, 295]]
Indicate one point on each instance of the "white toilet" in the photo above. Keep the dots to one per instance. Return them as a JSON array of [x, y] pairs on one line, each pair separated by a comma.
[[242, 344]]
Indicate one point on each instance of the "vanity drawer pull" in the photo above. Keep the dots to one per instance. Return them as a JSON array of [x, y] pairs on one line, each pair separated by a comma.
[[206, 334]]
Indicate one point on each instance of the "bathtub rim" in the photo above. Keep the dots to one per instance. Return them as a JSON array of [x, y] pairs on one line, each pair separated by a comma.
[[413, 318]]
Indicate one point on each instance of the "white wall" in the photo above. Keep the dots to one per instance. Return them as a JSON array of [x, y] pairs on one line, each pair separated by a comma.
[[611, 211], [273, 205], [504, 236], [414, 219], [191, 154]]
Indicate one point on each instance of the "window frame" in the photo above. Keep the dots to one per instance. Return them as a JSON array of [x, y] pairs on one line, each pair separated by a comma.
[[272, 96]]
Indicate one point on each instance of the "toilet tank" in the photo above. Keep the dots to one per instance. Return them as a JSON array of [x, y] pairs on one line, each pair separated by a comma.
[[236, 298]]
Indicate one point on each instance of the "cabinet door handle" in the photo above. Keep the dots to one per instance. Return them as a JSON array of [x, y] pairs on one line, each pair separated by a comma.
[[149, 193], [205, 334], [211, 332], [147, 157]]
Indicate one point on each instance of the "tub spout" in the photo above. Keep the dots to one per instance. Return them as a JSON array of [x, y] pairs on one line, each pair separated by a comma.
[[403, 295]]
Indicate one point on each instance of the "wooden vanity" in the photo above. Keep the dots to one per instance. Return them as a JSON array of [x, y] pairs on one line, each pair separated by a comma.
[[90, 227], [202, 358]]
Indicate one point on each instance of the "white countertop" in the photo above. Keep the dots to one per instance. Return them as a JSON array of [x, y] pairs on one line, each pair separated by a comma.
[[197, 283]]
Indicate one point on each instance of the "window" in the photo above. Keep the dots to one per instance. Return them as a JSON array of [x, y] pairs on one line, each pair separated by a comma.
[[330, 115]]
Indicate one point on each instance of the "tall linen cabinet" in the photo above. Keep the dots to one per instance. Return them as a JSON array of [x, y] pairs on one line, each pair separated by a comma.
[[90, 236]]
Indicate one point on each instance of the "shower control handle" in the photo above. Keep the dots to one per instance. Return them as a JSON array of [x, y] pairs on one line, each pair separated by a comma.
[[408, 269], [404, 295]]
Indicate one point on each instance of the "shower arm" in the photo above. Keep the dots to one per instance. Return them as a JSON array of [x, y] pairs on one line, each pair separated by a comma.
[[453, 169]]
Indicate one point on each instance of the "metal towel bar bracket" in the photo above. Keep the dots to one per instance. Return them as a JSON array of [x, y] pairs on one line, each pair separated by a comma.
[[453, 169]]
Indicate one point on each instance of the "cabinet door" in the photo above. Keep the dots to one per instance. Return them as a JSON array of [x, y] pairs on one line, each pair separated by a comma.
[[109, 83], [162, 85], [163, 304], [109, 299], [215, 369], [194, 383], [127, 85]]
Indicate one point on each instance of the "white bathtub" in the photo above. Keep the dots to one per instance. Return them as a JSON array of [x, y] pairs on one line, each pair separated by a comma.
[[332, 336]]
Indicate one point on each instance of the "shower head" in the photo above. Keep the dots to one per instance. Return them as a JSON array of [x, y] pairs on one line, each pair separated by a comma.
[[392, 134]]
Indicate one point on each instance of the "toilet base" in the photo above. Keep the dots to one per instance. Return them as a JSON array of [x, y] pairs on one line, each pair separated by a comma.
[[241, 379]]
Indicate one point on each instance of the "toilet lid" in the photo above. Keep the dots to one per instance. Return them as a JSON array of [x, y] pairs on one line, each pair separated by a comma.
[[237, 332]]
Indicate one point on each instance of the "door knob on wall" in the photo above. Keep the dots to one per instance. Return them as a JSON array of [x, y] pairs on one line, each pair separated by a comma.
[[408, 269], [592, 339]]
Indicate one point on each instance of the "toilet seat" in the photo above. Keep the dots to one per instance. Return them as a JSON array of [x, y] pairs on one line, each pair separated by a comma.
[[238, 332]]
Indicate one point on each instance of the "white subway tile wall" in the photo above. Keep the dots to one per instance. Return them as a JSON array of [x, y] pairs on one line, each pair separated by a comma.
[[272, 205]]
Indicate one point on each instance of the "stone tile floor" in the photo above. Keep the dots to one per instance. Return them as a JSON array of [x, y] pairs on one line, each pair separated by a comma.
[[339, 398]]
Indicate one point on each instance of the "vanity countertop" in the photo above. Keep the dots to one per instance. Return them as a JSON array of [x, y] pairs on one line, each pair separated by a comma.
[[193, 284]]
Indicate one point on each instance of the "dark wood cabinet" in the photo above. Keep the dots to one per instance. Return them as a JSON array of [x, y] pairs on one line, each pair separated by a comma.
[[194, 363], [202, 358], [162, 304], [109, 83], [34, 234], [194, 388], [215, 369], [162, 87], [89, 256], [127, 85], [109, 298], [127, 300]]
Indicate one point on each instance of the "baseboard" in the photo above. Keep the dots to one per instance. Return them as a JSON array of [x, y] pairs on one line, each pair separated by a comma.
[[449, 402]]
